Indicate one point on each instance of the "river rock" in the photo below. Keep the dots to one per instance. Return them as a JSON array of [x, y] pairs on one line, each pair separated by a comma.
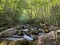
[[8, 32], [49, 38]]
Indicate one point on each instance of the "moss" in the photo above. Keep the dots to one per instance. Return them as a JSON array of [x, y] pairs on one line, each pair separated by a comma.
[[19, 42]]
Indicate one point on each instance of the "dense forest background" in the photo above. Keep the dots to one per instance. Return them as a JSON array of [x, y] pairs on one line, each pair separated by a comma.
[[26, 20], [13, 12]]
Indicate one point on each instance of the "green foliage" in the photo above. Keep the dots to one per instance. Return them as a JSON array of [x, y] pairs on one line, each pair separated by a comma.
[[16, 11]]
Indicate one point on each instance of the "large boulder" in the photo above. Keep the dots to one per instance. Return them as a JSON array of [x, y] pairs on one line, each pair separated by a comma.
[[50, 38], [8, 32]]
